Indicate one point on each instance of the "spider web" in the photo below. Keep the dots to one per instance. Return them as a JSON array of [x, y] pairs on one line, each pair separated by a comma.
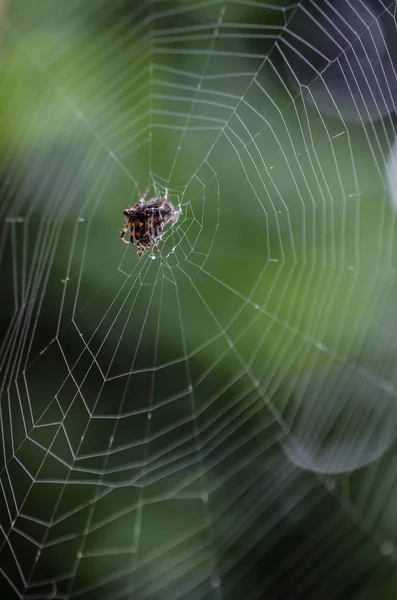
[[217, 422]]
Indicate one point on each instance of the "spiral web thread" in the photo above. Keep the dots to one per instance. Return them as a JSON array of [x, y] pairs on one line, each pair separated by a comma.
[[165, 422]]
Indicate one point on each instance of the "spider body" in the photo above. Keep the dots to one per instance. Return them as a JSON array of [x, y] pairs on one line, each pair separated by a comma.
[[146, 221]]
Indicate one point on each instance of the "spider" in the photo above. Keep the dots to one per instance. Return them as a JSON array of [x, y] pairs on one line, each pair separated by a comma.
[[146, 221]]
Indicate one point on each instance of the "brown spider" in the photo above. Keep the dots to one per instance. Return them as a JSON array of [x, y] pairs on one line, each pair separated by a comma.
[[146, 221]]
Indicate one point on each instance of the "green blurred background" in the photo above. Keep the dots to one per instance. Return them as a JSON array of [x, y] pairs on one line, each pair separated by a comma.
[[220, 421]]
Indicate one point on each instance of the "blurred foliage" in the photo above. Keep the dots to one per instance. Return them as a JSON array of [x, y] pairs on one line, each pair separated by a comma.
[[158, 381]]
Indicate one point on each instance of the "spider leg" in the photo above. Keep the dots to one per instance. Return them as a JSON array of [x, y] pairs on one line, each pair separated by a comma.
[[122, 234], [142, 198], [132, 234], [166, 194]]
